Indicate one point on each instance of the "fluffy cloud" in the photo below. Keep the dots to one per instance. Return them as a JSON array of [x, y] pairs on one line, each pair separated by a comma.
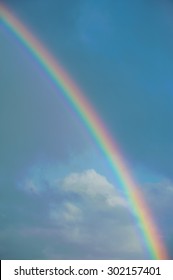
[[81, 216], [93, 215], [91, 185]]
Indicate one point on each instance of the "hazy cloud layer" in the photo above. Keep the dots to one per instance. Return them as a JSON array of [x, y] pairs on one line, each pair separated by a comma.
[[78, 216], [84, 212]]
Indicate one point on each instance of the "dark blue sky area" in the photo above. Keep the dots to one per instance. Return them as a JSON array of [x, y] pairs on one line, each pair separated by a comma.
[[120, 53]]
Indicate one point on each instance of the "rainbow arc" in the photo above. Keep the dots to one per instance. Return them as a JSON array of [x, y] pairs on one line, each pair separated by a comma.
[[70, 91]]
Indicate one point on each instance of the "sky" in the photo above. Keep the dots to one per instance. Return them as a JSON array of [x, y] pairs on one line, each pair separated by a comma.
[[59, 198]]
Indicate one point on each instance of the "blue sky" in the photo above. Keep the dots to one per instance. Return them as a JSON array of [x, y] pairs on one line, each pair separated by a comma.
[[57, 191]]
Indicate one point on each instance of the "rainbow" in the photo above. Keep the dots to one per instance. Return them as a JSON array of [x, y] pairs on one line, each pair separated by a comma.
[[143, 217]]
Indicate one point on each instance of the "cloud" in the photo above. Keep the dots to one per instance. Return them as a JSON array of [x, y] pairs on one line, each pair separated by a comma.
[[94, 216], [68, 213], [90, 184], [81, 216]]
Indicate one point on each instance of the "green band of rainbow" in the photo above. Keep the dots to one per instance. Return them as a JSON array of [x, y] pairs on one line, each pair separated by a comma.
[[96, 127]]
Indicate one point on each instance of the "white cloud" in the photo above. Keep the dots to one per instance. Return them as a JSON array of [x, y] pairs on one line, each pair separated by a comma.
[[68, 212], [83, 217], [92, 185], [97, 219], [72, 212]]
